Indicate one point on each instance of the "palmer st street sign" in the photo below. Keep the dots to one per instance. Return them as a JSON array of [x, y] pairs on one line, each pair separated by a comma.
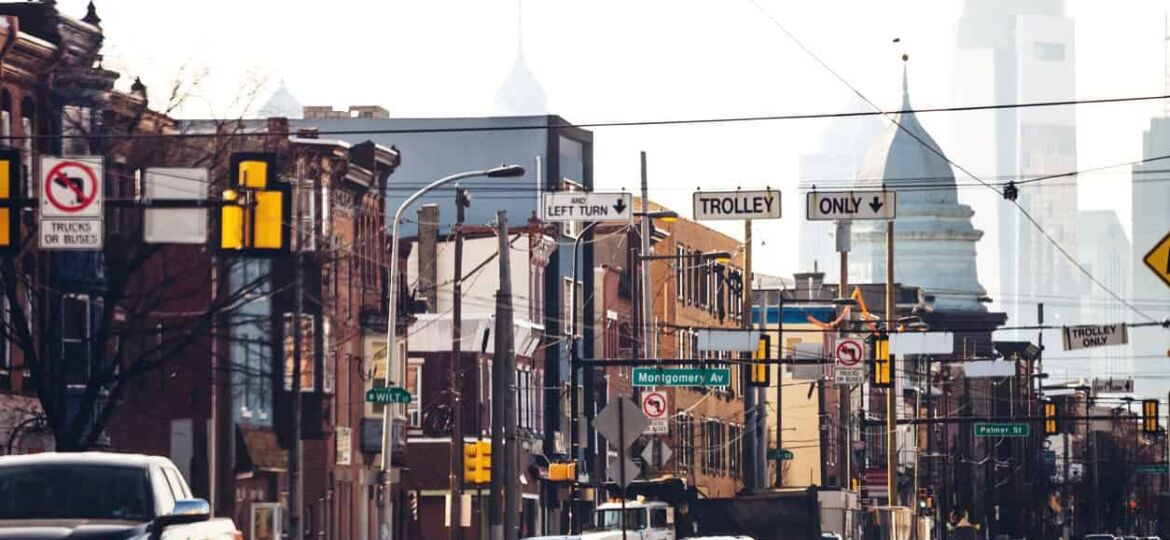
[[987, 429]]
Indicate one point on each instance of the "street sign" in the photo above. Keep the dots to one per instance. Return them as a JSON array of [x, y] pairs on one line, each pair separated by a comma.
[[851, 205], [562, 206], [1112, 386], [711, 339], [713, 205], [71, 203], [387, 394], [779, 454], [986, 429], [1158, 259], [903, 343], [614, 470], [175, 225], [621, 422], [659, 457], [649, 376], [656, 407], [849, 355], [1151, 468], [1094, 335]]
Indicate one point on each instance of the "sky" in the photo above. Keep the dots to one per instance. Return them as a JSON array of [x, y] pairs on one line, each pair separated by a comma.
[[621, 60]]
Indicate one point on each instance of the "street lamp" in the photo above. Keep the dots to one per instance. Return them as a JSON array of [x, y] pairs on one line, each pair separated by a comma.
[[503, 171]]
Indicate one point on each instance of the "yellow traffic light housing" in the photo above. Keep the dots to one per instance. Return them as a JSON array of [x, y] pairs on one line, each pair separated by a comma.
[[758, 372], [9, 193], [257, 208], [477, 462], [1150, 415], [562, 472], [883, 374], [1051, 423]]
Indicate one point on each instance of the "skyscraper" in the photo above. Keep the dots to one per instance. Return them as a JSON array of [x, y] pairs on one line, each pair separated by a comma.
[[1151, 222], [1012, 51]]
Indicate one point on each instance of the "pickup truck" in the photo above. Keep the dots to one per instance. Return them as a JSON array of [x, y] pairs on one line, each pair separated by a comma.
[[94, 495]]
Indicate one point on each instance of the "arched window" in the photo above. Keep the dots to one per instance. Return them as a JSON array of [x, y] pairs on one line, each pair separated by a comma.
[[28, 110]]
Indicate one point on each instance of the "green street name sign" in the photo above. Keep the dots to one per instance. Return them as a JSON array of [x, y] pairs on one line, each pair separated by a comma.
[[1152, 468], [779, 454], [682, 377], [385, 394], [1001, 430]]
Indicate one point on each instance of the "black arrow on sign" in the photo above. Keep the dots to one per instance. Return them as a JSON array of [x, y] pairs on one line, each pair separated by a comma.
[[620, 206], [876, 204]]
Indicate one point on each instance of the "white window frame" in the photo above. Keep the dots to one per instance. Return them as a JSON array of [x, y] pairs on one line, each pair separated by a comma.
[[414, 408]]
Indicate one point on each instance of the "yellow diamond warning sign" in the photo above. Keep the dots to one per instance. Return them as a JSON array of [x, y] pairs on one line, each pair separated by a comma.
[[1158, 259]]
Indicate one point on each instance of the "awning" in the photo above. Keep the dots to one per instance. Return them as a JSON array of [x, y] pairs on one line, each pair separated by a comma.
[[258, 450]]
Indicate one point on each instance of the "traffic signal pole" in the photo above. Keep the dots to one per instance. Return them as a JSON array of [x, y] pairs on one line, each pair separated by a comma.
[[892, 391], [455, 532]]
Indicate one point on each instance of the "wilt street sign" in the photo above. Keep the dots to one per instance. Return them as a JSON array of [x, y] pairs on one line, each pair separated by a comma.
[[682, 377], [1158, 259], [851, 205], [387, 394], [1094, 335], [713, 205], [984, 429], [561, 206]]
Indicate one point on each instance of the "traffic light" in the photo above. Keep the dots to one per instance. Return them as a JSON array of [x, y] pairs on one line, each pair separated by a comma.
[[758, 372], [9, 192], [257, 207], [1150, 415], [883, 374], [477, 462], [562, 472], [1051, 423]]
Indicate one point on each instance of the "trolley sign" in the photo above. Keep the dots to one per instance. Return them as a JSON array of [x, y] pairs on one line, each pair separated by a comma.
[[71, 203]]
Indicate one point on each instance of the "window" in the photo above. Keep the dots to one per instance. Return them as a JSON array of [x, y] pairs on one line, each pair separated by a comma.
[[414, 376], [526, 398], [572, 228], [572, 300], [658, 518], [734, 449], [1048, 52], [76, 122], [689, 271], [679, 271], [307, 376], [328, 357], [713, 451], [735, 292], [306, 216], [6, 308], [27, 109], [536, 293], [686, 441], [75, 334]]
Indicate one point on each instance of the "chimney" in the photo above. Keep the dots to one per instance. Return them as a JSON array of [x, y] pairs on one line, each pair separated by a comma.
[[428, 232]]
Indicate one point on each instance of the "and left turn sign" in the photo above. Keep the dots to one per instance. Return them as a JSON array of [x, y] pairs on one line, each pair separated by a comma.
[[71, 203]]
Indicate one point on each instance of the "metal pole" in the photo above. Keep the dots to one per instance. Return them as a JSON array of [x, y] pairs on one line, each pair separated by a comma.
[[892, 391], [780, 389], [749, 397], [388, 412], [649, 350], [295, 487], [844, 391], [456, 372], [761, 427], [575, 376], [506, 356]]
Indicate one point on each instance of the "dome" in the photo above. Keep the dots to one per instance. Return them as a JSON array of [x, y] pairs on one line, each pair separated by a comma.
[[282, 104], [521, 93], [934, 240]]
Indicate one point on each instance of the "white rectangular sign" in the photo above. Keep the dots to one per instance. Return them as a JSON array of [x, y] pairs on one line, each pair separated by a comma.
[[71, 234], [728, 340], [712, 205], [1094, 335], [71, 187], [922, 343], [849, 375], [175, 225], [983, 369], [563, 206], [1113, 386], [851, 205], [657, 427]]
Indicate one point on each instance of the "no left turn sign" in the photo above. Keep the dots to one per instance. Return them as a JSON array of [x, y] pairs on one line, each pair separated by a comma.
[[71, 187], [654, 405], [849, 352]]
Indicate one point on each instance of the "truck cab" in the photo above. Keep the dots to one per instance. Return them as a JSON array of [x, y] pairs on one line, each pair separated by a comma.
[[641, 520]]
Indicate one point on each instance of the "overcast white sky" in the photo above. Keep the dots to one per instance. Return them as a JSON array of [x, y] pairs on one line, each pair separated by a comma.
[[627, 60]]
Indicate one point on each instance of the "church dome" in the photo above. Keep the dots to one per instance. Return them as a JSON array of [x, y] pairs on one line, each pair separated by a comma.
[[934, 240], [282, 104]]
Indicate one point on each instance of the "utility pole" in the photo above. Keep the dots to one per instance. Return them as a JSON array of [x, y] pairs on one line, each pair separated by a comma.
[[296, 495], [649, 350], [780, 389], [456, 373], [892, 391], [749, 397], [499, 388], [844, 391], [506, 357], [761, 427]]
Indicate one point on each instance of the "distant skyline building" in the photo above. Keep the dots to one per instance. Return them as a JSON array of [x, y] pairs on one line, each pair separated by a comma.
[[1012, 51], [1151, 222], [1104, 250], [833, 165], [521, 93], [282, 104]]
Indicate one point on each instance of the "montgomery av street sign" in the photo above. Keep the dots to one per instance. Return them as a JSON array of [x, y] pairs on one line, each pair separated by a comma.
[[1151, 468], [1158, 259], [714, 205], [650, 376], [387, 394], [777, 454], [985, 429], [562, 206], [1094, 335], [851, 205]]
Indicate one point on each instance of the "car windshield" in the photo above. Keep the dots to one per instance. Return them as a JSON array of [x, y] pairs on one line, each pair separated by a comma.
[[74, 492], [610, 520]]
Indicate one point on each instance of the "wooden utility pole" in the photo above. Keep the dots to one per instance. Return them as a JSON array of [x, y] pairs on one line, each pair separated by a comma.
[[844, 391], [749, 396], [296, 529], [505, 357], [499, 388], [892, 391], [455, 532]]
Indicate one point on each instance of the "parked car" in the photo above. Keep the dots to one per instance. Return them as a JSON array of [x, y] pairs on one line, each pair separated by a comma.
[[1100, 536], [102, 495]]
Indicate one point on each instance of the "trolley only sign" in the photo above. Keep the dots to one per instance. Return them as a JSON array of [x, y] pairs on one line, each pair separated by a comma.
[[71, 203]]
